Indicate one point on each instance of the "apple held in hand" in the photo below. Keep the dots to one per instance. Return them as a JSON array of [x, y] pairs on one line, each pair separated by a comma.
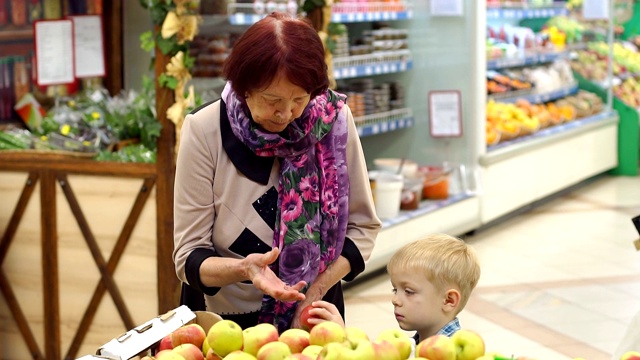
[[327, 332], [469, 344], [437, 347], [304, 318], [224, 337], [297, 339], [190, 333], [399, 339], [257, 336], [630, 355], [276, 350]]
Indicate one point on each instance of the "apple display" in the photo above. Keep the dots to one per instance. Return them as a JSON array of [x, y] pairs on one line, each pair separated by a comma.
[[399, 339], [437, 347], [276, 350], [190, 333], [189, 351], [298, 356], [212, 356], [297, 339], [332, 351], [385, 350], [256, 336], [469, 344], [327, 332], [224, 337]]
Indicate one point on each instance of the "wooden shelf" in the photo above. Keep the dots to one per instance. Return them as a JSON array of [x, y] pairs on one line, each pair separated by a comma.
[[16, 34]]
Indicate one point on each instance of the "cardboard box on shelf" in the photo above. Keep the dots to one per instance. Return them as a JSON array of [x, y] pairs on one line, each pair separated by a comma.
[[141, 339]]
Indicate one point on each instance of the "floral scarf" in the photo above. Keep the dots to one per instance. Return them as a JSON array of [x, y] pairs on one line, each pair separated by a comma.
[[313, 190]]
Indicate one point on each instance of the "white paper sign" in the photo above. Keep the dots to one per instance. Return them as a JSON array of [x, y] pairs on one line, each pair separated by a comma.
[[89, 47], [54, 52], [595, 9], [446, 8], [445, 114]]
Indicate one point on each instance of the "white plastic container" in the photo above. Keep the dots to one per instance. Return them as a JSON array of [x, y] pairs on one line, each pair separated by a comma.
[[388, 192]]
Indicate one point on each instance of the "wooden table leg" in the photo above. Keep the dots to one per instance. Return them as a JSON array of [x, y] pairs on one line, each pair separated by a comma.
[[51, 295]]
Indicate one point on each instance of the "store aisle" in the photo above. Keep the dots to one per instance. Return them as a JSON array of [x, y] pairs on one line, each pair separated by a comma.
[[558, 282]]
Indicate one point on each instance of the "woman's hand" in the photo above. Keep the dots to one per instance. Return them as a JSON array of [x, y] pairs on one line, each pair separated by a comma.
[[257, 270]]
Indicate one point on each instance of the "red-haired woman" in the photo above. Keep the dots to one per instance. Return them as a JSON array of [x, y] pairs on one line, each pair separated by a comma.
[[273, 207]]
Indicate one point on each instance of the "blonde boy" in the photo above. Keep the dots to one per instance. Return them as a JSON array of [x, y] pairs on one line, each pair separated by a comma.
[[432, 280]]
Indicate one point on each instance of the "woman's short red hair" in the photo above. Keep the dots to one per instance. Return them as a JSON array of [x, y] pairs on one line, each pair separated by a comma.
[[277, 44]]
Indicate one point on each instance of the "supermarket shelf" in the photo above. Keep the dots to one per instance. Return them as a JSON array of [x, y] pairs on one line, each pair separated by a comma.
[[425, 207], [540, 98], [387, 62], [244, 18], [16, 34], [384, 122], [527, 60], [511, 148], [344, 12], [525, 12]]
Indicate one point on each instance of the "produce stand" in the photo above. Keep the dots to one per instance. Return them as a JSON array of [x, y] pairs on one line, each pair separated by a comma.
[[628, 130], [51, 168]]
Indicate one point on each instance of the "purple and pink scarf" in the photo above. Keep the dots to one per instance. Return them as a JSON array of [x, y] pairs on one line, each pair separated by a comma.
[[313, 190]]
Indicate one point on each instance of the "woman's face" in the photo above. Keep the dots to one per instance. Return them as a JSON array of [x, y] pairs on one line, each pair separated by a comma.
[[277, 105]]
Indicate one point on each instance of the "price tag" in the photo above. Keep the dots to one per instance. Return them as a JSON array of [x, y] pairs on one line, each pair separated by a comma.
[[350, 17], [394, 67], [368, 70], [445, 113], [385, 68], [353, 71], [360, 16], [378, 69]]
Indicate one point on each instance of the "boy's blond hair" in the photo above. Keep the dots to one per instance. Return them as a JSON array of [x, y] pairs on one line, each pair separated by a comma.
[[444, 260]]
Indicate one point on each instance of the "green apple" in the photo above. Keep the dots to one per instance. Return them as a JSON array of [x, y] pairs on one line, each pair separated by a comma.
[[399, 339], [437, 347], [312, 351], [276, 350], [224, 337], [469, 344], [298, 356], [355, 333], [297, 339], [327, 332], [257, 336], [348, 350], [239, 355]]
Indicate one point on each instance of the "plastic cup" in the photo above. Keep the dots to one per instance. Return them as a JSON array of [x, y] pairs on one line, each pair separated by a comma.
[[388, 192]]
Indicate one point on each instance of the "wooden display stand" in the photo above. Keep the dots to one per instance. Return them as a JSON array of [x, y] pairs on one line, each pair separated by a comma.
[[49, 169]]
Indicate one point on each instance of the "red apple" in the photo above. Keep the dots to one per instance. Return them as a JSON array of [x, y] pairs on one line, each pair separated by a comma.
[[297, 339], [630, 355], [189, 351], [385, 350], [437, 347], [304, 318], [190, 333], [165, 343], [276, 350], [327, 332]]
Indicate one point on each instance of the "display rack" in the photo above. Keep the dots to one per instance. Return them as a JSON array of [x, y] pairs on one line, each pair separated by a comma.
[[384, 122], [519, 172], [384, 62], [51, 170]]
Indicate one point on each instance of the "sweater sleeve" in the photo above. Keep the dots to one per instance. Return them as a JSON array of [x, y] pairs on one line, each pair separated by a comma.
[[363, 225], [194, 211]]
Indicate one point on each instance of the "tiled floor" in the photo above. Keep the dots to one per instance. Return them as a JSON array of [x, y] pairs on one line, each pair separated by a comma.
[[561, 281]]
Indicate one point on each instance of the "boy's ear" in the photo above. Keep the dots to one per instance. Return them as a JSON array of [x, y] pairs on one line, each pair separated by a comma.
[[451, 300]]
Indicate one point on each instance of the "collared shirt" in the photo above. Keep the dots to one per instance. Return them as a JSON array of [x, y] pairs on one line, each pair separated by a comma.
[[447, 330]]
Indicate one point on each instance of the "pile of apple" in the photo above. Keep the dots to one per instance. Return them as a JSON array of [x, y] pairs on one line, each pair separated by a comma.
[[324, 341]]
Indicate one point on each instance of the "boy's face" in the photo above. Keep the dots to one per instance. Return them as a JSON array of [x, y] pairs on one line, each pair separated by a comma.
[[417, 304]]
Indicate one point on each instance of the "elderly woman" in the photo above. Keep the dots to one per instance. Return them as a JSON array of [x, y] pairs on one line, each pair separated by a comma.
[[272, 201]]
